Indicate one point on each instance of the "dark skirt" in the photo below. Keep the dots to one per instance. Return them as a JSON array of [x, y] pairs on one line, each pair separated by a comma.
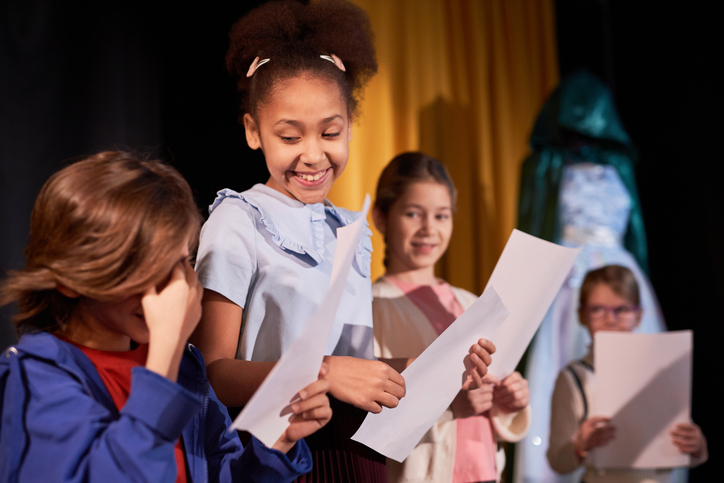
[[336, 457]]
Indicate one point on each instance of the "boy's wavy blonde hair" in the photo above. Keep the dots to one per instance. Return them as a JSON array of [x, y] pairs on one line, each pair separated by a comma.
[[106, 227]]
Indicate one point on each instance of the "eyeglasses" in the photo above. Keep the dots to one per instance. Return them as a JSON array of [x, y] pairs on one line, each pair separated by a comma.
[[620, 312]]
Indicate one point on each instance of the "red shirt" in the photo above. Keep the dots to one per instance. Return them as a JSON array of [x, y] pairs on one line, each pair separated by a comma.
[[115, 371]]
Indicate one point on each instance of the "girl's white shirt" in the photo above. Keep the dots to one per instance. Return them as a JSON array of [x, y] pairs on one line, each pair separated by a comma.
[[272, 256]]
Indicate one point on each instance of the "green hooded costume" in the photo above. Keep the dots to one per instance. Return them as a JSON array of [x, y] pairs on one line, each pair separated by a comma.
[[578, 123]]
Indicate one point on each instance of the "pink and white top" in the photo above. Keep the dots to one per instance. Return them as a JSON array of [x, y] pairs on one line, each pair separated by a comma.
[[475, 446]]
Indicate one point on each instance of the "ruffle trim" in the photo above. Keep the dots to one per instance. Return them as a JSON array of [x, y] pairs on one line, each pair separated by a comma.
[[363, 253]]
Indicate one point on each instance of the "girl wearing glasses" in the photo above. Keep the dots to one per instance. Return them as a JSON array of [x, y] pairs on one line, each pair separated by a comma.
[[609, 301]]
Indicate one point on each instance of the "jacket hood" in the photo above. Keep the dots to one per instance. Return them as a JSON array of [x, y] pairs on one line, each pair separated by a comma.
[[583, 105], [43, 345]]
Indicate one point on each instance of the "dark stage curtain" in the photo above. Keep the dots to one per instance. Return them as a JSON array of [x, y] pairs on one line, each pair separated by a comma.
[[73, 80], [660, 62], [80, 77]]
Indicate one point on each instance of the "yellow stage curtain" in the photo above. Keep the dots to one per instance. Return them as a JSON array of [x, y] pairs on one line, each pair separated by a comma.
[[461, 80]]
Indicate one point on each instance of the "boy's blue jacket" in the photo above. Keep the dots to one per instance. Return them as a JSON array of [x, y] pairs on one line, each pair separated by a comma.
[[60, 424]]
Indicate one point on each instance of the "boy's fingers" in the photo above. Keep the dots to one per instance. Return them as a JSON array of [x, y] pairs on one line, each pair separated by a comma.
[[316, 401], [320, 386], [320, 413]]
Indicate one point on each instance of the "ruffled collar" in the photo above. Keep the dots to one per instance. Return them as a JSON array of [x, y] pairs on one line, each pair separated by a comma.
[[299, 227]]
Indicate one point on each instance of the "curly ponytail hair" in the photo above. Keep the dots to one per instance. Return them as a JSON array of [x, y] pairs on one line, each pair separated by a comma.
[[106, 227], [293, 36]]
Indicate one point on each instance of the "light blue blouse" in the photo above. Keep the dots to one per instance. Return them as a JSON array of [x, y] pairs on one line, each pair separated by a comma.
[[272, 256]]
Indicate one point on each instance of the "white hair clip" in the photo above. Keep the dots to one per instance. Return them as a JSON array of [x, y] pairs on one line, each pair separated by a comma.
[[255, 65], [335, 60]]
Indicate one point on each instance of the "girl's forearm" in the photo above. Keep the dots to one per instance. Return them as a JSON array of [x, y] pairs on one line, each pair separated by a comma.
[[235, 381]]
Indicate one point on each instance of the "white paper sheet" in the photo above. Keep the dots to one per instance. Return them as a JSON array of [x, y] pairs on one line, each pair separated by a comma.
[[643, 382], [432, 381], [267, 414], [527, 278]]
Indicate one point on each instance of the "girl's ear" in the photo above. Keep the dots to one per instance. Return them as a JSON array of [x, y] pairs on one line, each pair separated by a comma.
[[67, 291], [349, 129], [252, 132], [379, 220]]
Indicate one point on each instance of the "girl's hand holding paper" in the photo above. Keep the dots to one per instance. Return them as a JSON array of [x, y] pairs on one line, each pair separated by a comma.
[[369, 385]]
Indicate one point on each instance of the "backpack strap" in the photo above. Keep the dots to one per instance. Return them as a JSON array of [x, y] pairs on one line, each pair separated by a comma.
[[580, 388]]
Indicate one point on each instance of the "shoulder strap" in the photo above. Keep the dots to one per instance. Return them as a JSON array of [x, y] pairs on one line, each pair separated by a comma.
[[580, 388]]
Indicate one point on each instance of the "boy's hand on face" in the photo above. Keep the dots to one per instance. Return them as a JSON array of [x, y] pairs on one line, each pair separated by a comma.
[[594, 432], [511, 395], [689, 439], [171, 316], [175, 311]]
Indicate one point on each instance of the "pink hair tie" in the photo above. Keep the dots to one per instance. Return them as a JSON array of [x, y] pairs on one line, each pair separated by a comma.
[[335, 60], [255, 65]]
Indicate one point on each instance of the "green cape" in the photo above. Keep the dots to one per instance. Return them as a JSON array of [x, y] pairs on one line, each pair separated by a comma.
[[578, 123]]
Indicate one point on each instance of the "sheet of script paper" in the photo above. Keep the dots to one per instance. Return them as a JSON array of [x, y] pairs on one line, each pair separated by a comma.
[[432, 381], [643, 382], [267, 414], [527, 277]]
